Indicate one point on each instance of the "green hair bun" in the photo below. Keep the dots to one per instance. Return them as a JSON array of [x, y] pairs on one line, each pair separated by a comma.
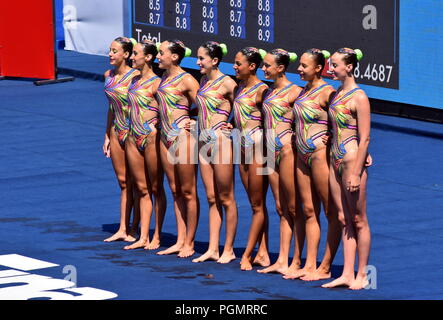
[[326, 54], [292, 56], [224, 49], [359, 54], [262, 53], [188, 52], [133, 41]]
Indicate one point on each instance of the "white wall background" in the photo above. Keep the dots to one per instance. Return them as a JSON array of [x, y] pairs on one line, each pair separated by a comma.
[[91, 25]]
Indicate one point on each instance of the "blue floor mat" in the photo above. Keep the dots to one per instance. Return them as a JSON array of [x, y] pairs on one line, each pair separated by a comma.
[[59, 199]]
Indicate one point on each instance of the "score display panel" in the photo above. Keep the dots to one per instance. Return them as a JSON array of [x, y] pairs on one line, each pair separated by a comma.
[[294, 25]]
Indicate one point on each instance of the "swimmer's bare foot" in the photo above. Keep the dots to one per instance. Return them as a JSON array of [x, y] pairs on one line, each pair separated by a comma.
[[278, 267], [208, 255], [139, 244], [226, 257], [118, 236], [131, 237], [292, 271], [359, 283], [340, 282], [173, 249], [154, 244], [245, 264], [261, 260], [299, 273], [186, 251], [319, 274]]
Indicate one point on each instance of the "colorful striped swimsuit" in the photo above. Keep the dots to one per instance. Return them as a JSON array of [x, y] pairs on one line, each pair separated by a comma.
[[209, 102], [169, 98], [116, 89], [244, 108], [142, 101], [275, 107], [309, 113], [342, 118]]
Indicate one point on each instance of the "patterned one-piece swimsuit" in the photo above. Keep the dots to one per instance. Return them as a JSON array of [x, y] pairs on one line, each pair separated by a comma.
[[209, 102], [116, 90], [142, 102], [169, 96], [342, 118], [244, 109], [275, 107], [308, 113]]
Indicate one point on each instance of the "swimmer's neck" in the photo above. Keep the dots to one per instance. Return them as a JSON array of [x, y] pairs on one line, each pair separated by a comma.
[[147, 72], [281, 82], [173, 71], [348, 83], [251, 81], [214, 74], [314, 83], [122, 69]]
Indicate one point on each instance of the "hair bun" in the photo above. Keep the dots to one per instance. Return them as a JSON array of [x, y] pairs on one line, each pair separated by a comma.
[[326, 54], [224, 49], [292, 56], [188, 52], [133, 41], [359, 54], [262, 53]]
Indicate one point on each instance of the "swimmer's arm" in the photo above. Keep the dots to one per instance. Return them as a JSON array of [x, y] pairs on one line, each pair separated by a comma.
[[363, 113], [330, 97], [155, 86], [107, 139], [261, 96], [190, 88], [294, 93], [326, 97], [231, 87], [324, 101], [110, 116]]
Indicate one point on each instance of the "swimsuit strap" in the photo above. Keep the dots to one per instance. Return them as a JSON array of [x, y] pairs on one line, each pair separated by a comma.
[[203, 86], [171, 82], [149, 80], [305, 93], [270, 95], [346, 97], [250, 90]]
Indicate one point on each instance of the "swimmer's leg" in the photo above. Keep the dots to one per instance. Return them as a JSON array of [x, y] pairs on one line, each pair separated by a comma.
[[119, 163]]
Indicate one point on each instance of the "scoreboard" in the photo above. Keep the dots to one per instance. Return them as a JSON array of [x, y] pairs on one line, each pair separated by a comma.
[[294, 25]]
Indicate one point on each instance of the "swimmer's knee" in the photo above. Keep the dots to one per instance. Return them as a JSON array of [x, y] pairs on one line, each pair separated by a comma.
[[211, 199], [360, 222], [257, 206], [188, 194], [226, 199], [309, 211], [122, 182]]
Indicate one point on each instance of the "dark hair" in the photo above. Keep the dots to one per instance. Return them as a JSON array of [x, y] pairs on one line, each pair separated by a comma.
[[149, 47], [350, 56], [318, 56], [177, 47], [214, 50], [127, 47], [281, 57], [252, 56]]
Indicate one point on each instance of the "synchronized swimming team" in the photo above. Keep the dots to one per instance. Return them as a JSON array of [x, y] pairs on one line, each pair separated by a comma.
[[310, 145]]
